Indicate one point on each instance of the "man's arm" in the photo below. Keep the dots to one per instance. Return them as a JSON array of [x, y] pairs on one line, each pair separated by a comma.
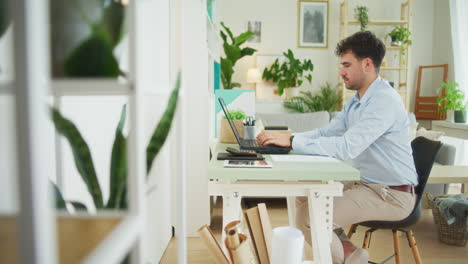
[[374, 122], [337, 127]]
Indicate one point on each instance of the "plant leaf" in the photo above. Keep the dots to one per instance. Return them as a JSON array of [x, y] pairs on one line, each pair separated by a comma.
[[78, 206], [162, 130], [243, 37], [247, 52], [226, 72], [5, 16], [118, 168], [59, 201], [113, 21], [100, 60], [81, 155]]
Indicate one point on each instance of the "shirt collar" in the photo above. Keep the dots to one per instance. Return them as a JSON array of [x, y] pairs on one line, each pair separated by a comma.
[[369, 91]]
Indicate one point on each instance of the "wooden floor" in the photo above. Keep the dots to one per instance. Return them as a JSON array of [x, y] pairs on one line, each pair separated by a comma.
[[432, 251]]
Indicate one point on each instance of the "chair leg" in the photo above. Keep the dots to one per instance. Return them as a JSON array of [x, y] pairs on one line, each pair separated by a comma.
[[365, 243], [396, 246], [352, 230], [414, 247]]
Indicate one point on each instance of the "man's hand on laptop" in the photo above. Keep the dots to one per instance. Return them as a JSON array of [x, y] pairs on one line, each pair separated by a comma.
[[274, 138]]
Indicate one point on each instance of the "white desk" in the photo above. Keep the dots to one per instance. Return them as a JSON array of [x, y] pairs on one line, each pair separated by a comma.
[[317, 181]]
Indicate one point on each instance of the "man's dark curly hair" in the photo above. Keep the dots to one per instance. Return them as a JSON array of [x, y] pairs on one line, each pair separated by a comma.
[[364, 44]]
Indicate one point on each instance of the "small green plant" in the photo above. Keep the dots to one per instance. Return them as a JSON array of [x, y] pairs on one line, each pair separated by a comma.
[[118, 168], [454, 99], [400, 35], [360, 12], [233, 53], [236, 115], [290, 73], [325, 100]]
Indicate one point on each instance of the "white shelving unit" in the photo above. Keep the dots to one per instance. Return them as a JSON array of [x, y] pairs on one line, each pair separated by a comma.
[[105, 237], [403, 64]]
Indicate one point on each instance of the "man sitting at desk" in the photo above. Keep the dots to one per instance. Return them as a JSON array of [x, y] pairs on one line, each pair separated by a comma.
[[372, 133]]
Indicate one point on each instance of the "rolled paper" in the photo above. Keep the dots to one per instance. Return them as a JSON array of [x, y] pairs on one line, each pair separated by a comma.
[[233, 239], [287, 245], [232, 225]]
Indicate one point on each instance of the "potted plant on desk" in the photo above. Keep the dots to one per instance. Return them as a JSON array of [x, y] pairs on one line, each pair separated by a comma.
[[289, 75], [452, 101], [225, 134]]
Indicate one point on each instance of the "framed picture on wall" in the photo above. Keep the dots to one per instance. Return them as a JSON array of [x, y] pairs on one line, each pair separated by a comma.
[[313, 24]]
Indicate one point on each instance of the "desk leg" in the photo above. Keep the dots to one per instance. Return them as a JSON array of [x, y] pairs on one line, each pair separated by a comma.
[[291, 205], [320, 226], [231, 210]]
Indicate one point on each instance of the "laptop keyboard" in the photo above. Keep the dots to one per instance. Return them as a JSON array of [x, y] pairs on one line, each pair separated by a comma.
[[250, 143]]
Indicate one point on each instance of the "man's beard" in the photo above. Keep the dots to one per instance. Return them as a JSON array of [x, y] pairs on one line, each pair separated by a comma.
[[354, 86]]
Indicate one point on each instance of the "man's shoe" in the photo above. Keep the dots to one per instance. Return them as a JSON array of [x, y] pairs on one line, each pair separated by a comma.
[[359, 256]]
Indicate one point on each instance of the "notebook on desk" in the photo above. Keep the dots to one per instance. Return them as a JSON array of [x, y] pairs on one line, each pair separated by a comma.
[[251, 144]]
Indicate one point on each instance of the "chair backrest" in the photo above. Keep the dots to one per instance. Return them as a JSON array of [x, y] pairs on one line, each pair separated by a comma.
[[424, 154]]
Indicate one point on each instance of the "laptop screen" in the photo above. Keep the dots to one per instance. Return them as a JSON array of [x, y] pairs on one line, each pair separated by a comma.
[[231, 124]]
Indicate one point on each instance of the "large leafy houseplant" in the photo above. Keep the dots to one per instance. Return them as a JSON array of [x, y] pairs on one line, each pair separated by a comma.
[[290, 73], [233, 53], [118, 169], [360, 12], [325, 100]]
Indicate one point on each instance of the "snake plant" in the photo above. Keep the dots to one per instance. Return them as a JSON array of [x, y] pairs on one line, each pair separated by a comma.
[[118, 169]]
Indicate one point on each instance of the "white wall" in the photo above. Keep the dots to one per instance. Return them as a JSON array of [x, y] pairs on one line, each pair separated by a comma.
[[279, 32]]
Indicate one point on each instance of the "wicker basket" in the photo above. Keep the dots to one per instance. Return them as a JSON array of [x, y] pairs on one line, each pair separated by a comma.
[[453, 234]]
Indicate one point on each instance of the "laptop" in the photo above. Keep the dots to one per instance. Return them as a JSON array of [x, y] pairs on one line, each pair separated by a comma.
[[251, 144]]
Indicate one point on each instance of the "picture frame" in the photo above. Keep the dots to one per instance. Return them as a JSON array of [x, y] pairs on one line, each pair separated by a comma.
[[256, 28], [312, 24]]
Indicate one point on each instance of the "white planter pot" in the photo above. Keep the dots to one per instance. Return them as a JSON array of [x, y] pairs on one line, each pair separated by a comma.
[[450, 115], [289, 93]]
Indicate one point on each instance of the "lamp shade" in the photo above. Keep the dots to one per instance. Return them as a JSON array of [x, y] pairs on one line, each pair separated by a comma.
[[254, 76]]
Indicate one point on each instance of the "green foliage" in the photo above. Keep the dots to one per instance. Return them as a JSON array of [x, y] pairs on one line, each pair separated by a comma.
[[290, 73], [5, 16], [162, 129], [454, 99], [236, 115], [81, 155], [325, 100], [93, 57], [400, 34], [360, 12], [118, 169], [233, 53]]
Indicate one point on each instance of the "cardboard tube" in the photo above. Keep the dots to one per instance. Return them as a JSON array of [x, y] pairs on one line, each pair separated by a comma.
[[233, 239], [242, 254], [232, 225]]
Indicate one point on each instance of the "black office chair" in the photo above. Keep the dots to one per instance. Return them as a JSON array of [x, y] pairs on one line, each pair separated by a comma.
[[424, 153]]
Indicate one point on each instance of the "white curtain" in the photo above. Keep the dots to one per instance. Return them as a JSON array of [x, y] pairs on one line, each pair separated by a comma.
[[459, 24]]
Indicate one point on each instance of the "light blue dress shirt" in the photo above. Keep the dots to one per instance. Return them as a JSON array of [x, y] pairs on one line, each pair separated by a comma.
[[371, 133]]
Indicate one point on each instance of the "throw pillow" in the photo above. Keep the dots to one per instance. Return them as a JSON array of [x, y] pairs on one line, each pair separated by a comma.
[[432, 135]]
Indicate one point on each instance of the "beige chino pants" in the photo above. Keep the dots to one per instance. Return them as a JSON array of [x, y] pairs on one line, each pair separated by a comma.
[[360, 202]]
